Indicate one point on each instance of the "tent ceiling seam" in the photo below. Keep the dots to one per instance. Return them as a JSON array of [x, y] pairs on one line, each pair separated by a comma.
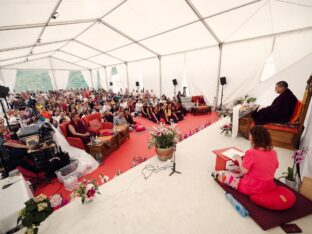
[[81, 59], [46, 24], [50, 24], [25, 56], [247, 20], [66, 61], [100, 51], [90, 26], [200, 17], [294, 3], [127, 36]]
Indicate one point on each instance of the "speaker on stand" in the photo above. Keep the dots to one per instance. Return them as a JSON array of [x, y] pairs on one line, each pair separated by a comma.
[[222, 82], [137, 84]]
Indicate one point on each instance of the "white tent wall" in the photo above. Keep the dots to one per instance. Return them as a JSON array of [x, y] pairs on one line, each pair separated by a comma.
[[289, 48], [61, 78], [242, 65], [135, 74], [103, 82], [202, 72], [150, 71], [295, 75], [171, 68], [87, 76], [119, 81], [9, 77]]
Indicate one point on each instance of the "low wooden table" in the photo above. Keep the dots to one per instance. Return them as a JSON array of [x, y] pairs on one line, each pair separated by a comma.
[[123, 134], [197, 110], [105, 146]]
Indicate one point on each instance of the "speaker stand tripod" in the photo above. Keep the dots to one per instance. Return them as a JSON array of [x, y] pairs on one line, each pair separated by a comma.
[[174, 163]]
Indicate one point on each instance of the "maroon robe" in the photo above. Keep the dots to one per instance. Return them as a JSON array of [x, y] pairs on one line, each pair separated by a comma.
[[79, 128], [280, 111]]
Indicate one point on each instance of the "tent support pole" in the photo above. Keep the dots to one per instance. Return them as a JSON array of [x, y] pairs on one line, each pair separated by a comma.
[[218, 77], [53, 73], [127, 74], [160, 76]]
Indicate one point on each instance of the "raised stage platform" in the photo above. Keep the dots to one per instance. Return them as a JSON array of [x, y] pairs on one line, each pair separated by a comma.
[[180, 204]]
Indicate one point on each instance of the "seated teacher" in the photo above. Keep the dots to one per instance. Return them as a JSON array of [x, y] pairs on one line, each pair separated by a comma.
[[76, 128], [280, 110], [257, 168]]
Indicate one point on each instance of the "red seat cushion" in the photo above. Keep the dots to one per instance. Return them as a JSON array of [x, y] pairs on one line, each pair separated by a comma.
[[283, 128], [105, 132], [95, 124], [140, 128], [296, 115], [280, 198]]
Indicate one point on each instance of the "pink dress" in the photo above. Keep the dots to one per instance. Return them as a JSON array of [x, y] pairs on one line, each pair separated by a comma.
[[261, 166]]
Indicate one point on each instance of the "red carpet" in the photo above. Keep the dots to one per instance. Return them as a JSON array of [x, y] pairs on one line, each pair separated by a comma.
[[135, 146]]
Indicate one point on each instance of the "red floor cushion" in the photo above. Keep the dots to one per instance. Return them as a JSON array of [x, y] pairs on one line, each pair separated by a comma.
[[140, 128], [280, 198], [283, 128]]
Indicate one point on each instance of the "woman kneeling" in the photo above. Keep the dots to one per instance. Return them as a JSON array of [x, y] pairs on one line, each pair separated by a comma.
[[257, 167]]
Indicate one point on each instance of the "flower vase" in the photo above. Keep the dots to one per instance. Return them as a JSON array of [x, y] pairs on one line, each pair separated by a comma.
[[164, 154], [291, 183]]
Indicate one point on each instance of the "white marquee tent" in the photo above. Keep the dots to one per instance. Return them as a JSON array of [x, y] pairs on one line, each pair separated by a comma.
[[159, 40]]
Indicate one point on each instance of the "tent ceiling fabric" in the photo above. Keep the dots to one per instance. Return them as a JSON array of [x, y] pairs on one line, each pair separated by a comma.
[[103, 33]]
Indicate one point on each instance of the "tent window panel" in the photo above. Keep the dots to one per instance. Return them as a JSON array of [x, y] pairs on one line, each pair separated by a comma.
[[269, 69], [76, 80], [31, 80]]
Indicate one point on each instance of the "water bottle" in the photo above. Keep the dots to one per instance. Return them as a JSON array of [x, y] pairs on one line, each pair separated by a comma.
[[239, 207]]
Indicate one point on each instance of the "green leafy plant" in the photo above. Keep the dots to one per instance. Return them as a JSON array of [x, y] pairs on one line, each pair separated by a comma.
[[36, 211]]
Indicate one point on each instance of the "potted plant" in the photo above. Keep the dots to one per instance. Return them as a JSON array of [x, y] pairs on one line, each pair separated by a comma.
[[164, 138], [36, 211], [294, 172]]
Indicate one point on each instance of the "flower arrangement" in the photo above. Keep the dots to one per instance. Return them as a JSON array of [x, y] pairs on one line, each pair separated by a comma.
[[36, 211], [294, 171], [86, 190], [164, 137], [226, 128]]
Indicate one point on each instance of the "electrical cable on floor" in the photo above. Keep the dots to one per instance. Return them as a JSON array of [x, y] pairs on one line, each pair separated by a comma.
[[151, 169]]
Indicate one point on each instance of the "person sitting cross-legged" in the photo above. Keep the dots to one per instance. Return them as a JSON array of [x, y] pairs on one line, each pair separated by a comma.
[[257, 168]]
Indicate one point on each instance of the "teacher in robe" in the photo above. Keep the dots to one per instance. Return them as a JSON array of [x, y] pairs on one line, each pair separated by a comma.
[[280, 110]]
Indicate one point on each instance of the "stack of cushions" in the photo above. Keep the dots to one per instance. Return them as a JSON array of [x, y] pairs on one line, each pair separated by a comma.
[[280, 198]]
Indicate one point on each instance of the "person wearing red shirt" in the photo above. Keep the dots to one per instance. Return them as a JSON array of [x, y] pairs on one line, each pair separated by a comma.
[[257, 167]]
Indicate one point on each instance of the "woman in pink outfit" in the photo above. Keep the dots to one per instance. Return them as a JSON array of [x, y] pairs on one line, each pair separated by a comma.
[[257, 167]]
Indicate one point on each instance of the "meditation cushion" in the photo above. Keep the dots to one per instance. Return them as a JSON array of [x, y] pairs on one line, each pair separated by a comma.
[[296, 115], [95, 124], [280, 198], [140, 128]]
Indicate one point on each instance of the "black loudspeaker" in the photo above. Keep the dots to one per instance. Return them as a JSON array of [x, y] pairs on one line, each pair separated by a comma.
[[174, 81], [137, 84], [223, 80], [111, 83], [4, 91]]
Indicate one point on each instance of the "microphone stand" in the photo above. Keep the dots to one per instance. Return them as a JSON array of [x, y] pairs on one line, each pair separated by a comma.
[[174, 163]]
